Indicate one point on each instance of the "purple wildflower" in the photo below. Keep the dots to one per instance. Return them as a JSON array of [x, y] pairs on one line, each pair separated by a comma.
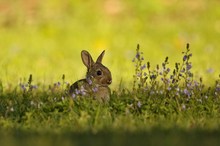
[[139, 104], [23, 87], [188, 66], [186, 92], [188, 85], [185, 57], [95, 89], [77, 91], [196, 83], [217, 89], [153, 76], [83, 93], [73, 96], [89, 81], [183, 70], [34, 86], [138, 74], [210, 70], [137, 55], [82, 90], [143, 67]]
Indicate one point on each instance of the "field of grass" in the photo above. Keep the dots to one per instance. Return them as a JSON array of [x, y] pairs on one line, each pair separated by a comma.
[[154, 100]]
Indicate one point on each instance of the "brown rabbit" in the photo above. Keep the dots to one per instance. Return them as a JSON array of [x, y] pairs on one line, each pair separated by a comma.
[[97, 80]]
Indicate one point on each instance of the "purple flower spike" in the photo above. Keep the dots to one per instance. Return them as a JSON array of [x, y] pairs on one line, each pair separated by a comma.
[[138, 74], [138, 55], [217, 89], [185, 57], [34, 86], [143, 67], [188, 66]]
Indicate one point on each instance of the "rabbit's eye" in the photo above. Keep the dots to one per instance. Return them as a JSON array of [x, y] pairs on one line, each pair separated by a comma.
[[99, 72]]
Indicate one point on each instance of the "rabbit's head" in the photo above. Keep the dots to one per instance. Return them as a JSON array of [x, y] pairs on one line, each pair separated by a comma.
[[96, 71]]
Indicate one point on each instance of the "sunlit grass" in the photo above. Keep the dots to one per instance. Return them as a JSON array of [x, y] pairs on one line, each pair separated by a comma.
[[45, 38]]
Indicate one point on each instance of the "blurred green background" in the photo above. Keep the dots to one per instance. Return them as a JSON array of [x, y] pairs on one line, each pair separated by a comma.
[[45, 37]]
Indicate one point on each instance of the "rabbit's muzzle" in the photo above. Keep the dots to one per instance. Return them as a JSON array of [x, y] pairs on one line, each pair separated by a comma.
[[109, 81], [106, 81]]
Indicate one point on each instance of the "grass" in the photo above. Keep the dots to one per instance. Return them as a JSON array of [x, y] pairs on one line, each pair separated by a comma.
[[44, 35], [163, 100], [160, 101]]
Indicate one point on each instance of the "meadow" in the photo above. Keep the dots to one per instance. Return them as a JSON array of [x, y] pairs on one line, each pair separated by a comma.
[[163, 56]]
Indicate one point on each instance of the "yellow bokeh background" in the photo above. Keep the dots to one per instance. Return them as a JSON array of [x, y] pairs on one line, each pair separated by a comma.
[[45, 37]]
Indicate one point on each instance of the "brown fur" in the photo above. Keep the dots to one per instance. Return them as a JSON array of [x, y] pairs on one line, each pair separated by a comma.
[[97, 80]]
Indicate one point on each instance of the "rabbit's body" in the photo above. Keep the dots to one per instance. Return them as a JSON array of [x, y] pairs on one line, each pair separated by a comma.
[[98, 78]]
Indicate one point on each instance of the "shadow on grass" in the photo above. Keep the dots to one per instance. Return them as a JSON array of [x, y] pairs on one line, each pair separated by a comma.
[[172, 137]]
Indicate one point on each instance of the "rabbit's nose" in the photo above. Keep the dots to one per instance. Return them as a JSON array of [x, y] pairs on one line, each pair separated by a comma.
[[109, 81]]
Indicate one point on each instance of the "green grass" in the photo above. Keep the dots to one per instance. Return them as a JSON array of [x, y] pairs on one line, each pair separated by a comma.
[[166, 105], [45, 39]]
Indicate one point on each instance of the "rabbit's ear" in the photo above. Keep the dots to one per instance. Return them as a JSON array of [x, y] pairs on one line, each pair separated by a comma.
[[99, 59], [87, 59]]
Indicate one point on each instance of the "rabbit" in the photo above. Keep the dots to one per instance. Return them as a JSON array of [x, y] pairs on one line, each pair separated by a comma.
[[98, 78]]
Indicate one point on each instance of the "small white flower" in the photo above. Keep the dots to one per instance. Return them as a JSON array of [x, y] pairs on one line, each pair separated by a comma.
[[183, 107], [11, 109], [32, 102]]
